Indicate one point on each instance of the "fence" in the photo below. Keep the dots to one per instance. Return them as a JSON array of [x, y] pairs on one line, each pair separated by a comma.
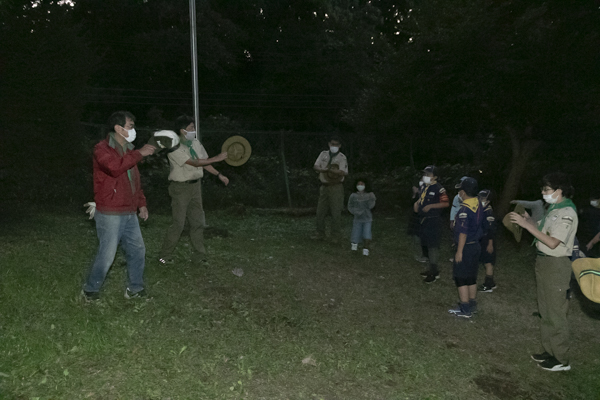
[[277, 156]]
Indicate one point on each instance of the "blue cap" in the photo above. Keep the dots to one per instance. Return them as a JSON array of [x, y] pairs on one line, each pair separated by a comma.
[[469, 185]]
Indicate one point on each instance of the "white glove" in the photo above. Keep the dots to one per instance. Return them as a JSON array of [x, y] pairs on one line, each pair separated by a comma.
[[91, 208]]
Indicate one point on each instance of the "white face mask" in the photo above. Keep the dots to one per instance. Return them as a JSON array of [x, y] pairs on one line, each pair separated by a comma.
[[334, 149], [594, 203], [131, 135], [426, 180], [191, 135], [549, 199], [360, 187]]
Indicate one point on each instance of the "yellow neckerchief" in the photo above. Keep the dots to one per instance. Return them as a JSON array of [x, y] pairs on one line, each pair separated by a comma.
[[472, 204], [424, 192]]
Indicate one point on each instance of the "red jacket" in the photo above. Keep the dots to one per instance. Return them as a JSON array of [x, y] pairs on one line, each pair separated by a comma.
[[114, 192]]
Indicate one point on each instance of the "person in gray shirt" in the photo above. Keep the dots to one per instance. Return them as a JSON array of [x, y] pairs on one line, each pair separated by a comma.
[[360, 204]]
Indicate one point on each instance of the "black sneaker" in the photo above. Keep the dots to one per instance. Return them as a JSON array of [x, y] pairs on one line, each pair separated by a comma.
[[90, 296], [541, 357], [424, 273], [487, 288], [130, 295], [430, 278], [552, 364]]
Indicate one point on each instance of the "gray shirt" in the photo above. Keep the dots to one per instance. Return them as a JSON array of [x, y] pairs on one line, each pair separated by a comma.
[[360, 205]]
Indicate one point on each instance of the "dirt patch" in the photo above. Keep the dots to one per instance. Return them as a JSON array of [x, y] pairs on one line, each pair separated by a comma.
[[500, 384]]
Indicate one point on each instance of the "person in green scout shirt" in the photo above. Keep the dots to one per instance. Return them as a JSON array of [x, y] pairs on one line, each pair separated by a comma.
[[188, 163], [332, 167], [554, 239]]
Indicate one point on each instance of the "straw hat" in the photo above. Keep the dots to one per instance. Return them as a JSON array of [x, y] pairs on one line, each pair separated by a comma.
[[333, 177], [516, 230], [238, 150], [587, 272]]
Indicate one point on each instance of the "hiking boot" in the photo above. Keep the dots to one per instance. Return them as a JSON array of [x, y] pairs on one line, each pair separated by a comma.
[[552, 364], [365, 252], [422, 259], [130, 295], [487, 288], [90, 296], [430, 278], [545, 356], [354, 246]]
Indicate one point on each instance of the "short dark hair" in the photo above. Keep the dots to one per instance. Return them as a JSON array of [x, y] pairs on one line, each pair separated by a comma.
[[366, 181], [487, 195], [182, 122], [335, 138], [559, 180], [119, 118], [432, 169]]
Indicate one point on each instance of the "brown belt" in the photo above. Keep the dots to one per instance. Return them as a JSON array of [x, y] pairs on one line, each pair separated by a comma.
[[330, 183], [188, 182]]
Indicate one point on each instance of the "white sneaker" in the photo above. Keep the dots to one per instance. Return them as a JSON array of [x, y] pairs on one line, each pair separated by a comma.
[[365, 252], [354, 246]]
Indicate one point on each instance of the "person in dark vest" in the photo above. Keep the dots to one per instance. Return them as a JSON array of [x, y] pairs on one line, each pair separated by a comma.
[[468, 231], [429, 206]]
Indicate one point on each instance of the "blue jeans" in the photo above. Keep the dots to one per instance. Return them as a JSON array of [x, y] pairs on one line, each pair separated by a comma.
[[360, 231], [112, 230]]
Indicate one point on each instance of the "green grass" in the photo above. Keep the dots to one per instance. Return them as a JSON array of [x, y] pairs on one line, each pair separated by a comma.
[[367, 327]]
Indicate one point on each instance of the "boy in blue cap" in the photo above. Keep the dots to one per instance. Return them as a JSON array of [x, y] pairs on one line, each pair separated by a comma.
[[429, 206], [468, 230]]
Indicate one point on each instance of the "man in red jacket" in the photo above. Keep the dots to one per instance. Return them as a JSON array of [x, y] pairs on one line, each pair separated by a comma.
[[118, 195]]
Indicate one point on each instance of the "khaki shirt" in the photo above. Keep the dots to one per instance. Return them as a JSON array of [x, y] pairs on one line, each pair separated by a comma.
[[561, 224], [323, 161], [180, 171]]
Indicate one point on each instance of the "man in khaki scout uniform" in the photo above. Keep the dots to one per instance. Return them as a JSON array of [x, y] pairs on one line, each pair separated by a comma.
[[332, 167], [554, 238], [188, 164]]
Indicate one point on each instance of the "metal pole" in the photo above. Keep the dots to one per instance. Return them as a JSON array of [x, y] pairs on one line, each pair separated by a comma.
[[194, 64], [285, 174]]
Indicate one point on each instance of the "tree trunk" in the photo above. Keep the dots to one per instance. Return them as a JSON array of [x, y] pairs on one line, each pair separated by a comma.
[[523, 149]]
